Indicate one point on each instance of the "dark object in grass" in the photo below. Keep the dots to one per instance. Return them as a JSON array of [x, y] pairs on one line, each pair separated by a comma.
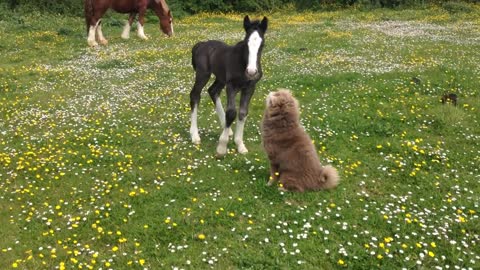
[[302, 49], [416, 80], [450, 98]]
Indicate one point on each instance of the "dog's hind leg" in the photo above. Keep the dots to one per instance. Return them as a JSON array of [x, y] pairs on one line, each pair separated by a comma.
[[201, 80], [214, 91], [287, 184]]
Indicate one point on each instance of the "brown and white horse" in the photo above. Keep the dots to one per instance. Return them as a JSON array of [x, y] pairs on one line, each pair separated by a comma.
[[95, 9]]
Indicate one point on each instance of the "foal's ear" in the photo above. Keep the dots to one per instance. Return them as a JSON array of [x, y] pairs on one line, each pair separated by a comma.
[[246, 22], [264, 24]]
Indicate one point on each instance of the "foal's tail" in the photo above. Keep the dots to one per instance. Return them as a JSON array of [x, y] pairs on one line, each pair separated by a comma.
[[88, 5]]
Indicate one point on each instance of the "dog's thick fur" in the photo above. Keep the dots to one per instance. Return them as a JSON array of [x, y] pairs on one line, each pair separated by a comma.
[[293, 159]]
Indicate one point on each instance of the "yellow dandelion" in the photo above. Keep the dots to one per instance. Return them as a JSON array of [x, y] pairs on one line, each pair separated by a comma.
[[201, 236]]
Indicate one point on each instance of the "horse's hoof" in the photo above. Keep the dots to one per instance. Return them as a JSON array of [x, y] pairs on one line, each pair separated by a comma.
[[103, 42], [92, 43], [230, 132]]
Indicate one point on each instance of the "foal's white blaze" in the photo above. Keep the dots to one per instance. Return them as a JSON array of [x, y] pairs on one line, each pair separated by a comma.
[[140, 32], [239, 136], [254, 42], [126, 31], [194, 127]]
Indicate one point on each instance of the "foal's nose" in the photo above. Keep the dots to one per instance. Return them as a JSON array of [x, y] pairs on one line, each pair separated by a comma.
[[251, 71]]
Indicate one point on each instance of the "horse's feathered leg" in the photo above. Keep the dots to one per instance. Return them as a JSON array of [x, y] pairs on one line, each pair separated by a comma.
[[201, 79], [245, 97], [101, 38], [229, 117], [214, 91], [141, 21], [91, 23], [128, 26], [91, 35]]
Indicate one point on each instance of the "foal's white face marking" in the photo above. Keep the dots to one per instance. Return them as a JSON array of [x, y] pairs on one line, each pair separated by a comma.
[[254, 42]]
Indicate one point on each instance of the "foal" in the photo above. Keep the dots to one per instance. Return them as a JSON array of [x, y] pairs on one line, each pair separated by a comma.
[[237, 67]]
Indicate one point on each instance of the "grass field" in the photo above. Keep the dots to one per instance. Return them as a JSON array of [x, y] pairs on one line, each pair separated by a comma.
[[98, 170]]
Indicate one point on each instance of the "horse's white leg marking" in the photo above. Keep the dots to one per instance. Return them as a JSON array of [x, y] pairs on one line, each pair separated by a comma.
[[194, 127], [140, 32], [254, 42], [101, 38], [126, 31], [91, 36], [222, 143], [221, 115], [239, 136]]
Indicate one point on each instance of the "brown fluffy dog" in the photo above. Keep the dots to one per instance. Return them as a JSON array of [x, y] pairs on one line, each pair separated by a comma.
[[293, 159]]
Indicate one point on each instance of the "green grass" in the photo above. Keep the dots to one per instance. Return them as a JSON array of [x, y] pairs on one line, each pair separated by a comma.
[[98, 171]]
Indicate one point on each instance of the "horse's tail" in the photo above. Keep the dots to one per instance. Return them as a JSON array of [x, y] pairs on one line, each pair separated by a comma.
[[88, 5]]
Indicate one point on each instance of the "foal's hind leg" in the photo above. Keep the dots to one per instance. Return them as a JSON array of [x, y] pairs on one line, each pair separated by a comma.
[[201, 80], [128, 26], [214, 90]]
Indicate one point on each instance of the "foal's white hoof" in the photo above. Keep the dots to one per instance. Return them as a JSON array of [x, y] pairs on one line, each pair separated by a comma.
[[125, 36], [103, 41], [242, 149], [143, 37], [230, 132], [221, 151], [196, 139]]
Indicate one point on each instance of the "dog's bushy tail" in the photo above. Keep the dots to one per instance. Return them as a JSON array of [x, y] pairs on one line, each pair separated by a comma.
[[329, 177]]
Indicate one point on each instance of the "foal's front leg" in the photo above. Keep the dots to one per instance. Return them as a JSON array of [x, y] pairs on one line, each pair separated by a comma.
[[242, 117], [229, 117]]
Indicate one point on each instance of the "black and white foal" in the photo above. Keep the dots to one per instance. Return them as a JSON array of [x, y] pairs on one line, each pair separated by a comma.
[[237, 67]]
